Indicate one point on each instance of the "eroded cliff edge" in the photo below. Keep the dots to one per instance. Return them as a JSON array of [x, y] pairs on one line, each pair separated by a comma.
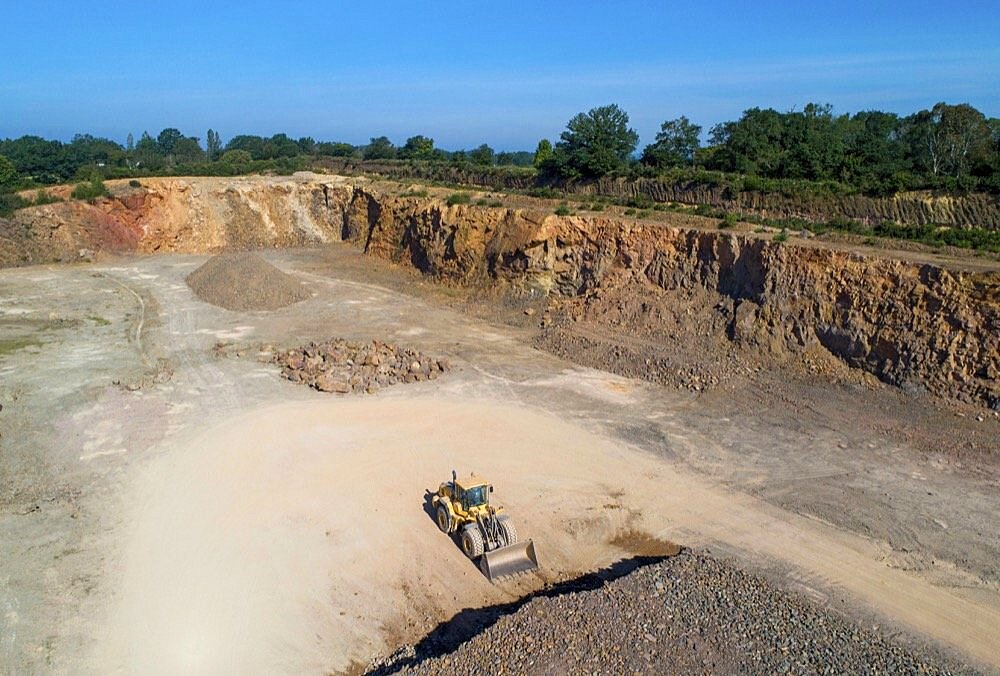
[[911, 324]]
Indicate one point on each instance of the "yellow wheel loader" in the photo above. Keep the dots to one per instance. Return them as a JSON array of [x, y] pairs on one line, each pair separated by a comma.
[[463, 506]]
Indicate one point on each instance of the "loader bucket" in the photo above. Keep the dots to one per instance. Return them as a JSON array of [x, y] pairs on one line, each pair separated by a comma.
[[510, 560]]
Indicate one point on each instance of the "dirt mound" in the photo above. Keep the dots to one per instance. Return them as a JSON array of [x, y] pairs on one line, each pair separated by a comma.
[[244, 281]]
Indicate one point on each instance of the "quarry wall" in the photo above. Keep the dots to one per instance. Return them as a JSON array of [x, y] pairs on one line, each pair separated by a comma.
[[916, 325]]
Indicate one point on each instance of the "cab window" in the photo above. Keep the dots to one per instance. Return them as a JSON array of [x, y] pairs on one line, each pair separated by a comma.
[[475, 496]]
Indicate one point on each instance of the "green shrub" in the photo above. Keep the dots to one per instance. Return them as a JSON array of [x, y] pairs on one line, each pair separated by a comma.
[[630, 212], [458, 198], [43, 197], [11, 202], [91, 190], [703, 210], [563, 210], [781, 236], [728, 221], [134, 183], [547, 193]]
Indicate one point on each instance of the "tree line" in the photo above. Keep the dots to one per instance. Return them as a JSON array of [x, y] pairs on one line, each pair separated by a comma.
[[949, 147], [35, 160]]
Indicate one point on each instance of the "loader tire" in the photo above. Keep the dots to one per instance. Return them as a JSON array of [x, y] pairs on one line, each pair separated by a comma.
[[444, 519], [472, 542], [508, 530]]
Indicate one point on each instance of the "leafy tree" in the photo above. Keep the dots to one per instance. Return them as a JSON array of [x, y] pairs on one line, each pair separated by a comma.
[[482, 156], [213, 145], [8, 174], [947, 140], [280, 145], [335, 149], [147, 153], [256, 146], [811, 143], [417, 148], [87, 153], [130, 151], [750, 145], [238, 160], [596, 143], [873, 153], [380, 148], [543, 153], [675, 145], [519, 158], [307, 145], [187, 149], [38, 158], [167, 139]]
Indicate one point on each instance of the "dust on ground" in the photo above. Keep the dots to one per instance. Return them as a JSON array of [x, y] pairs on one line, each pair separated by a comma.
[[282, 540]]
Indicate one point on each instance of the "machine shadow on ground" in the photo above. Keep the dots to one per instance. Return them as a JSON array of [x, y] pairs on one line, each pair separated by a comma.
[[466, 624]]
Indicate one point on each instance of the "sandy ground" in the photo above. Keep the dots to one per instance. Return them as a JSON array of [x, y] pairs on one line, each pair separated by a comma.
[[204, 516]]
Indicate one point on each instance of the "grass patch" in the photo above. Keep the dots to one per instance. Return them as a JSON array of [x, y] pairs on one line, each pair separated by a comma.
[[458, 198], [100, 321], [14, 344]]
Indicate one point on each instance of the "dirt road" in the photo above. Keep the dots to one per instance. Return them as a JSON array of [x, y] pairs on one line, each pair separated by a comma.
[[203, 515]]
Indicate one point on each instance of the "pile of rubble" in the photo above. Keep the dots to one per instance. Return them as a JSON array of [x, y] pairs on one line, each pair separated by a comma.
[[341, 366]]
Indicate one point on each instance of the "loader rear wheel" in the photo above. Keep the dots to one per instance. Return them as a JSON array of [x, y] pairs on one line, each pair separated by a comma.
[[472, 542], [443, 519]]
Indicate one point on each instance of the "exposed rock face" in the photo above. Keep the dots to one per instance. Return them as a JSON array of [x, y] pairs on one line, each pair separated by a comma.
[[911, 324], [915, 325]]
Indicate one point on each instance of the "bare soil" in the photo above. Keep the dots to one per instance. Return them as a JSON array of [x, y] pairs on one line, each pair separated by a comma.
[[222, 518]]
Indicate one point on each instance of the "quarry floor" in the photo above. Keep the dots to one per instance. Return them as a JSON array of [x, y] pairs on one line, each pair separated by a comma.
[[165, 508]]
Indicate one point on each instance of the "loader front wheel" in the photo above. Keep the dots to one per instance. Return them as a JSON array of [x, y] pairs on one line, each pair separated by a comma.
[[443, 519], [509, 531], [472, 542]]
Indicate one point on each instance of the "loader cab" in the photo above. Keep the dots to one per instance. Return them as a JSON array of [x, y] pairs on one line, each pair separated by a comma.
[[472, 493]]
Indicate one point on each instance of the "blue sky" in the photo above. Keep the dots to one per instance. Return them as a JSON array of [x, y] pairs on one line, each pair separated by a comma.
[[505, 73]]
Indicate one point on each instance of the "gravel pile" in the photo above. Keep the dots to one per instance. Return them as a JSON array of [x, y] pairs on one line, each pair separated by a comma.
[[686, 614], [244, 281], [341, 366]]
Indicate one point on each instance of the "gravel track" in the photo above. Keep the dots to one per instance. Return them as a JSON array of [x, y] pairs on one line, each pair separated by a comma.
[[685, 614]]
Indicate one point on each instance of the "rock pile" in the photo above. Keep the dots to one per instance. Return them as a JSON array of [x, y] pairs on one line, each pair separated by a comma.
[[341, 366], [686, 614]]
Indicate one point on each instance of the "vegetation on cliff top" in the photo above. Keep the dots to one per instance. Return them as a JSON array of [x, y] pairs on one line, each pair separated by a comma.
[[951, 148]]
